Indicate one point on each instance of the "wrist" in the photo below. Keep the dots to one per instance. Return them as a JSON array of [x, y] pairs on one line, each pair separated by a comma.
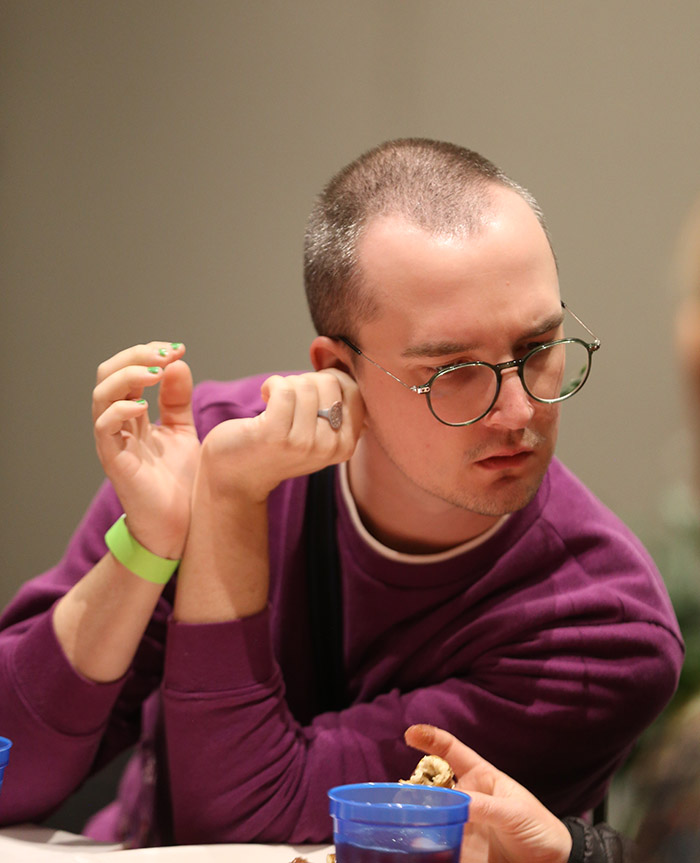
[[230, 476], [138, 559], [163, 543]]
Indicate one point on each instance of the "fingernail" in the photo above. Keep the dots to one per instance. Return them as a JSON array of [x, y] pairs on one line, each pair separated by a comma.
[[162, 352], [154, 370], [176, 345], [141, 402]]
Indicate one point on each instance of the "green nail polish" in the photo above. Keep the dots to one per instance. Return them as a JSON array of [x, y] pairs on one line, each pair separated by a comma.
[[162, 352], [141, 402], [176, 345], [154, 370]]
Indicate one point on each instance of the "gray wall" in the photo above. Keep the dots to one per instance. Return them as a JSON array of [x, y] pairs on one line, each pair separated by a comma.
[[159, 157]]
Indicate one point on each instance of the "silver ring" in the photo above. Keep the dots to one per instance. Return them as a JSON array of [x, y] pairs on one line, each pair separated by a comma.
[[334, 415]]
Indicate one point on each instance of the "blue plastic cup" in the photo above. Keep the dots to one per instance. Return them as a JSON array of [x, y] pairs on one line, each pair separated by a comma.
[[5, 745], [392, 822]]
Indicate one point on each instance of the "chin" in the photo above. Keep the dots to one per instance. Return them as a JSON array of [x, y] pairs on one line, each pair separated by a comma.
[[506, 495]]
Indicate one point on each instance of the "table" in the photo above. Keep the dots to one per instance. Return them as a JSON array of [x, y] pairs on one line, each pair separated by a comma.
[[30, 844]]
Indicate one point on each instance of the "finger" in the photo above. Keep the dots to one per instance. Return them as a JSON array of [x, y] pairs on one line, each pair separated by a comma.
[[124, 384], [472, 771], [175, 396], [150, 354], [330, 393], [312, 393], [112, 422], [293, 402], [279, 395], [353, 405], [437, 741]]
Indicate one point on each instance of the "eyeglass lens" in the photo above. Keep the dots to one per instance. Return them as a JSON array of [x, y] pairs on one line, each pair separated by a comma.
[[553, 372]]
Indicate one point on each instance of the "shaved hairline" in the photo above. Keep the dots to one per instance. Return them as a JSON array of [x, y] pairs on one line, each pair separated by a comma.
[[441, 188]]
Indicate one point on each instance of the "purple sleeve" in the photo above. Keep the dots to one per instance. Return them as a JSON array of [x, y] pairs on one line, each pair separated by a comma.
[[62, 725], [243, 770]]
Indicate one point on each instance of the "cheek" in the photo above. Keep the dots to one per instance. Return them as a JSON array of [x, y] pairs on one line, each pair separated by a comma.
[[547, 422], [402, 419]]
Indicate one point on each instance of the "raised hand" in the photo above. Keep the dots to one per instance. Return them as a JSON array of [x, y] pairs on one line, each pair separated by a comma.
[[507, 824], [225, 569], [252, 456], [151, 467]]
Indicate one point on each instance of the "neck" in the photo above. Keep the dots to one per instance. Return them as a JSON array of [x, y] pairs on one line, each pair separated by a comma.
[[400, 514]]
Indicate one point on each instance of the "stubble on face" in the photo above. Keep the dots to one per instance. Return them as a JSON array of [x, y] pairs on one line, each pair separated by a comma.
[[503, 494]]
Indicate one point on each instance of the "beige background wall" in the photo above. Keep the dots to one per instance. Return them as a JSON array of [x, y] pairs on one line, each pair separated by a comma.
[[158, 159]]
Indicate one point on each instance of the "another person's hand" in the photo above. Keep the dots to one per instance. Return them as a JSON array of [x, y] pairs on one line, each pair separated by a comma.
[[151, 467], [507, 824], [251, 456]]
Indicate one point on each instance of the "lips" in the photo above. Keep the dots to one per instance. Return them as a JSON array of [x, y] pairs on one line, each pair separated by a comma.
[[506, 459]]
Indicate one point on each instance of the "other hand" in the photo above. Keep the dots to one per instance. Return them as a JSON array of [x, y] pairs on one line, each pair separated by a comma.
[[151, 467], [507, 824], [252, 456]]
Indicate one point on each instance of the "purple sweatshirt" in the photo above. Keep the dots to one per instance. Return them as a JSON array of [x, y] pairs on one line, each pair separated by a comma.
[[548, 648]]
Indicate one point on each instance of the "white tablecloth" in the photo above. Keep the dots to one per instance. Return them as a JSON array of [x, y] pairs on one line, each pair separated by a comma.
[[29, 844]]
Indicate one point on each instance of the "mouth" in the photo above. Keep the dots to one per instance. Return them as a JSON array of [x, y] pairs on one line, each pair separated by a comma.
[[507, 460]]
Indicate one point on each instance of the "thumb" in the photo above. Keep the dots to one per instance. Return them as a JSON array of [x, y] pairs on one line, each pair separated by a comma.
[[175, 396]]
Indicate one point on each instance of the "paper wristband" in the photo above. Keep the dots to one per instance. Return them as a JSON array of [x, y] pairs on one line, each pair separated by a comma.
[[135, 557]]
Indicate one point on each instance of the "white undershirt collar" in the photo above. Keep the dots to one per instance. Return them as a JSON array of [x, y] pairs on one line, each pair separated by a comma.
[[401, 556]]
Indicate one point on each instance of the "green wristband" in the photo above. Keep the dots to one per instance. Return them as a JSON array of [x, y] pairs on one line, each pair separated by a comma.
[[135, 557]]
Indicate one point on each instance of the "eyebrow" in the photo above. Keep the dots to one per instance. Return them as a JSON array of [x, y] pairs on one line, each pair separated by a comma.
[[447, 348]]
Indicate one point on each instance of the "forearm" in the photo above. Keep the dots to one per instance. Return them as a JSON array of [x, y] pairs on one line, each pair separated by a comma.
[[241, 768], [100, 622], [56, 718], [224, 571]]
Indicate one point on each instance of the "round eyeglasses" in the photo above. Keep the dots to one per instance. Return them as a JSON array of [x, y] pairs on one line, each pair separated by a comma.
[[463, 393]]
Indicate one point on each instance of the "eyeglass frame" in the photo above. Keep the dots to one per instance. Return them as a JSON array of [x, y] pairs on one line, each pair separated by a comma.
[[497, 368]]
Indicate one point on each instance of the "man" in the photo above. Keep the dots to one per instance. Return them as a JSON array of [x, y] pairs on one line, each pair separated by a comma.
[[470, 581]]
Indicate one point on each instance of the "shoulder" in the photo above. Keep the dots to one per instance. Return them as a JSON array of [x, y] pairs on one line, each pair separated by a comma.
[[214, 402], [601, 562], [583, 521]]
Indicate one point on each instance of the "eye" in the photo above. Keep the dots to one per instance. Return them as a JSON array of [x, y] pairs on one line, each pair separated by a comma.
[[531, 346], [432, 369]]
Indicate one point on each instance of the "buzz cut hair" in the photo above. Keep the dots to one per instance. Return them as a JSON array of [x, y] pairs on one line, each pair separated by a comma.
[[439, 187]]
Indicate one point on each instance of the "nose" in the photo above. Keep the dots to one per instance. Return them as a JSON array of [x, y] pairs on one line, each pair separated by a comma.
[[513, 408]]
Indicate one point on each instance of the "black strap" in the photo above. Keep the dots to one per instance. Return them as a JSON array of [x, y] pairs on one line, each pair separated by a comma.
[[324, 591], [597, 843]]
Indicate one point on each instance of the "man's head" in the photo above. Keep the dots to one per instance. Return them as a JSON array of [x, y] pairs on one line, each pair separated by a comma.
[[424, 256], [441, 188]]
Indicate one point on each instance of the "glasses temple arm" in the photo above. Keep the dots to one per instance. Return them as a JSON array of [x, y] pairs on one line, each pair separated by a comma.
[[359, 353], [596, 341]]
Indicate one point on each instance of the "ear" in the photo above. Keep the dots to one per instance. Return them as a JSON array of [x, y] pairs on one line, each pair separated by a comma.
[[327, 353]]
